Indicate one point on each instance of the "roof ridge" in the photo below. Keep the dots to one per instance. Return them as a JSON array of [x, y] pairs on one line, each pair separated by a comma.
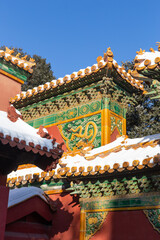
[[74, 171], [86, 164], [16, 60], [144, 62], [106, 60]]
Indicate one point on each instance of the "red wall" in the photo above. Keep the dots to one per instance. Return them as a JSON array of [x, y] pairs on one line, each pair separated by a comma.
[[55, 133], [126, 225], [66, 220], [4, 191], [115, 134], [28, 220], [8, 88], [64, 223]]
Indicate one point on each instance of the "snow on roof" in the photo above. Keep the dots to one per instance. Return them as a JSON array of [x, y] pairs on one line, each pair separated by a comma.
[[22, 131], [125, 141], [122, 154], [107, 60], [120, 151], [24, 172], [19, 195], [147, 60]]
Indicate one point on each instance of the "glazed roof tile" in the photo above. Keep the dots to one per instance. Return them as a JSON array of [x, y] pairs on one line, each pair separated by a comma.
[[123, 154], [116, 155], [24, 136], [17, 196], [16, 60], [102, 62], [146, 61]]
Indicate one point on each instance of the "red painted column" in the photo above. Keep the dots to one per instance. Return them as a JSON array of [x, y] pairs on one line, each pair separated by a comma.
[[4, 192]]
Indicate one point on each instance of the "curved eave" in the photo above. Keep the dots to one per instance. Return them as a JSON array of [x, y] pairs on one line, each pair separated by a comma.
[[126, 81], [41, 93], [65, 173], [61, 88], [14, 152]]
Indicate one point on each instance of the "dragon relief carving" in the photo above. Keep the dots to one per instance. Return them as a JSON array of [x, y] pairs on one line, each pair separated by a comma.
[[87, 134]]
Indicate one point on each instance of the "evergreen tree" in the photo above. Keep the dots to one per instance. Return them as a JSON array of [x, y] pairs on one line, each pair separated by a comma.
[[42, 72], [142, 118], [128, 65]]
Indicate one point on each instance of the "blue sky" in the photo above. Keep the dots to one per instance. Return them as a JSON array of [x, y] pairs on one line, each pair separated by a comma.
[[71, 34]]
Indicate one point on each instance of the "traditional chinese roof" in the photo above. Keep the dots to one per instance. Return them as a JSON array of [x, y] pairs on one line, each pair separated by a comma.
[[77, 78], [147, 68], [147, 64], [17, 196], [21, 132], [25, 202], [122, 155], [17, 136], [16, 60]]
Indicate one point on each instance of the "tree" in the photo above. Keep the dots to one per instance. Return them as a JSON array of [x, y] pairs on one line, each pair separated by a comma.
[[42, 72], [128, 65], [143, 117]]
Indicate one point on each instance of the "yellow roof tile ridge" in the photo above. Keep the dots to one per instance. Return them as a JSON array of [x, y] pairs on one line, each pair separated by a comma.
[[106, 60], [127, 76], [20, 62], [121, 159], [74, 171]]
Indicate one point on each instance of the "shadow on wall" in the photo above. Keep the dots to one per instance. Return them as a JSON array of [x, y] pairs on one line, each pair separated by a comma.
[[66, 219], [75, 201], [58, 224]]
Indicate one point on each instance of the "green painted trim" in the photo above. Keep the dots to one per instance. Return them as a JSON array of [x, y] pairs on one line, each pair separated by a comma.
[[117, 187], [13, 70], [66, 115], [79, 111], [80, 85], [146, 200]]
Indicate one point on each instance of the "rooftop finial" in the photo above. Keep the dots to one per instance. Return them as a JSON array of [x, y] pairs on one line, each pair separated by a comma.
[[151, 50], [24, 58], [32, 60], [109, 53], [140, 52], [9, 50]]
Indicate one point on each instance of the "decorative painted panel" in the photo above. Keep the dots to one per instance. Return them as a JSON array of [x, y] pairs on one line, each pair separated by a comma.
[[116, 122], [86, 129], [85, 109], [115, 107], [153, 216], [61, 115], [71, 113], [94, 221], [13, 71]]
